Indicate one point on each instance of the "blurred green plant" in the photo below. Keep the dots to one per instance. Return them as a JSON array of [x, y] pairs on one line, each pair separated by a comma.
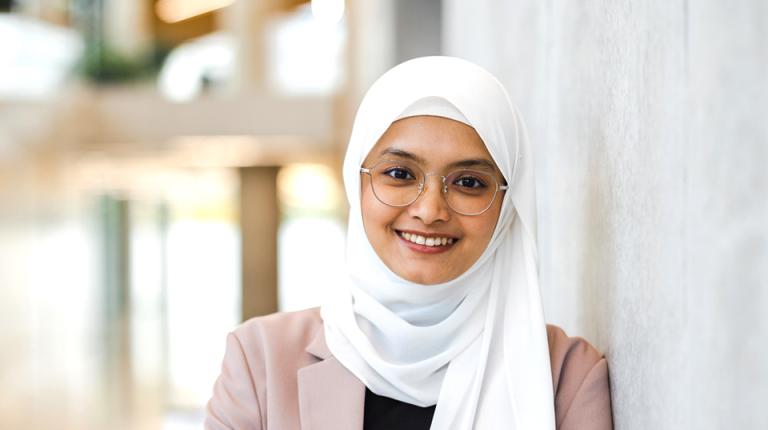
[[102, 64]]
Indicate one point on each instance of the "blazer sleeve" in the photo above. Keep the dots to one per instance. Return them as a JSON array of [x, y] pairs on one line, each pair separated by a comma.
[[234, 404], [590, 408], [582, 388]]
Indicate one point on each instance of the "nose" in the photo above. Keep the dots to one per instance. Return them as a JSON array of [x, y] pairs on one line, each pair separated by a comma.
[[431, 206]]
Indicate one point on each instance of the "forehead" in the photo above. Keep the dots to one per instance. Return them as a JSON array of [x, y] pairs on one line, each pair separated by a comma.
[[434, 141]]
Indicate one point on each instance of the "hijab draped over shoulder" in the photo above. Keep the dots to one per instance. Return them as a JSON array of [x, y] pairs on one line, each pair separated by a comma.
[[475, 346]]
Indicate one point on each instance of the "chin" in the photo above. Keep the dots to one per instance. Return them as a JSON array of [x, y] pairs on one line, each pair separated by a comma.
[[425, 279]]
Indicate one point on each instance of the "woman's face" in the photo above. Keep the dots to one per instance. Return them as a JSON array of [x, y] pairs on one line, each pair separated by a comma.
[[435, 144]]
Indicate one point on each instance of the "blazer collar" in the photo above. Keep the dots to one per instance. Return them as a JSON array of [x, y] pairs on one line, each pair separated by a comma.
[[317, 346], [330, 396]]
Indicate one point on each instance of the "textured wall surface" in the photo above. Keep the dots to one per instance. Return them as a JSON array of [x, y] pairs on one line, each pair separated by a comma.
[[650, 121]]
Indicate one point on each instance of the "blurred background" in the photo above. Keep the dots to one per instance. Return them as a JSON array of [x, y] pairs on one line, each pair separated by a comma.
[[170, 168]]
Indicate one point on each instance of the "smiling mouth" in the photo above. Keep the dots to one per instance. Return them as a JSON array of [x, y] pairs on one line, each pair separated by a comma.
[[427, 241]]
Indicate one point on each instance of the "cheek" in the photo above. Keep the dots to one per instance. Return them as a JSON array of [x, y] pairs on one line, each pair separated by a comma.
[[376, 215], [481, 232], [369, 205], [367, 209], [483, 226]]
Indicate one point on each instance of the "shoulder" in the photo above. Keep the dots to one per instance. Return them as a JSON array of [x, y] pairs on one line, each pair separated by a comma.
[[260, 363], [580, 382], [295, 321], [279, 337], [572, 354]]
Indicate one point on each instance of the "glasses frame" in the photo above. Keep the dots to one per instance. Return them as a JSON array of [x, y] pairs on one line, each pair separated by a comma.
[[422, 187]]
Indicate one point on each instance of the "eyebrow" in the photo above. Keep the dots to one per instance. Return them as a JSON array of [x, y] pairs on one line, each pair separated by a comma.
[[461, 164], [402, 154], [474, 162]]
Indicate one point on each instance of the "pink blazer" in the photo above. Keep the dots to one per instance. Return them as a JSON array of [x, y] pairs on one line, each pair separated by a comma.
[[279, 374]]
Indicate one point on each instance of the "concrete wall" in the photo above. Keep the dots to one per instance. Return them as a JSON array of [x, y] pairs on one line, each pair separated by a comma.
[[650, 122]]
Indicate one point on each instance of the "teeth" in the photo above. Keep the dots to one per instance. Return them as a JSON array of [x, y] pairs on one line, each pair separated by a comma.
[[428, 241]]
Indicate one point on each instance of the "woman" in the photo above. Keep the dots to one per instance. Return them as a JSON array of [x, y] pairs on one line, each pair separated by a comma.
[[440, 324]]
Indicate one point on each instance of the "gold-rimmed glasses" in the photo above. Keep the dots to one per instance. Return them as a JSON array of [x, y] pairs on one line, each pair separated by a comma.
[[400, 183]]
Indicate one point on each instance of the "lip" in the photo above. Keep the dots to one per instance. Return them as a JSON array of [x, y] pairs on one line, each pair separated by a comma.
[[424, 249]]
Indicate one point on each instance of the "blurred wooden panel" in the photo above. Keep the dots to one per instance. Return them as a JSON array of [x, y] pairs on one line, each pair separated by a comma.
[[259, 218], [172, 34]]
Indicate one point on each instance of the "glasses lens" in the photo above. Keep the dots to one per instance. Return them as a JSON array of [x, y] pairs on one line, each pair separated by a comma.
[[470, 192], [396, 183]]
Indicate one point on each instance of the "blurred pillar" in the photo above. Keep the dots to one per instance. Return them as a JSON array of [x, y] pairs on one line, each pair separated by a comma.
[[115, 313], [246, 20], [383, 33], [259, 217], [127, 27], [418, 29], [371, 28]]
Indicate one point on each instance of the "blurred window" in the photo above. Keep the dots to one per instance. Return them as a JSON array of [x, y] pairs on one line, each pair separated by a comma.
[[306, 50], [311, 235], [194, 66], [35, 57]]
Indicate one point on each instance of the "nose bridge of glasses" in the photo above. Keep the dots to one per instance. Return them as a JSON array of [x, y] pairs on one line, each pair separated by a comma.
[[423, 185]]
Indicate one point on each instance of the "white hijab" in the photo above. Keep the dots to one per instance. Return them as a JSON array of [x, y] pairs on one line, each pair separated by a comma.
[[477, 345]]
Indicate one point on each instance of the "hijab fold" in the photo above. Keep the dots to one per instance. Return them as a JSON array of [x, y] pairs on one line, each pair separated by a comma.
[[475, 346]]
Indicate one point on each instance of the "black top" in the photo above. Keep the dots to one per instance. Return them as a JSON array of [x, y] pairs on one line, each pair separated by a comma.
[[383, 413]]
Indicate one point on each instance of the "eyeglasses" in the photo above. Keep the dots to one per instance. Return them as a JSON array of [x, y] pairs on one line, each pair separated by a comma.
[[400, 183]]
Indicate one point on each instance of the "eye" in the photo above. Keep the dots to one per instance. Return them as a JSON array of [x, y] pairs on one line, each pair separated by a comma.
[[399, 173], [469, 181]]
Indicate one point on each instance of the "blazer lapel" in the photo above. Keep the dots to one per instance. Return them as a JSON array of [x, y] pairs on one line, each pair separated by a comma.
[[330, 396]]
